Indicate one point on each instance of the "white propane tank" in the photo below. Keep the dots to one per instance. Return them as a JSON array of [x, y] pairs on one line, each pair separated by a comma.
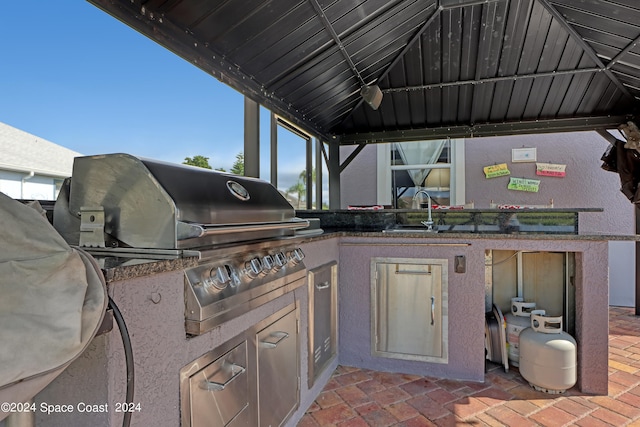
[[517, 321], [548, 355]]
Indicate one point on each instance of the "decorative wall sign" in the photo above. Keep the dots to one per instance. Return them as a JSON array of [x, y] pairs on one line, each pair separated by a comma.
[[550, 169], [524, 184], [523, 154], [496, 170]]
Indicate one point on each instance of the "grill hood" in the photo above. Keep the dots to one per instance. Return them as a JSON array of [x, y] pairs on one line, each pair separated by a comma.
[[157, 205]]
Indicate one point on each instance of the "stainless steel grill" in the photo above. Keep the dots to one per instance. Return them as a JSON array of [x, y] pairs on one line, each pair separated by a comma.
[[242, 230], [121, 201], [121, 205]]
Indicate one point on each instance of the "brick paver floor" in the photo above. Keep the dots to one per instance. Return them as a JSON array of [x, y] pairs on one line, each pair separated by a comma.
[[360, 397]]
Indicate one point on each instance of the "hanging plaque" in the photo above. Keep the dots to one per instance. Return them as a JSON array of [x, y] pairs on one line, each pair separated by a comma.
[[550, 169], [524, 184], [523, 154], [496, 170]]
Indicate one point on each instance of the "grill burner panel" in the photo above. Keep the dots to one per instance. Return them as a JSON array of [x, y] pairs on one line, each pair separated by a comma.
[[223, 287]]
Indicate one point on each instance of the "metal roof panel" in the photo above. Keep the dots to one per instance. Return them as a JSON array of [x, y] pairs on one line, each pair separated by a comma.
[[455, 64]]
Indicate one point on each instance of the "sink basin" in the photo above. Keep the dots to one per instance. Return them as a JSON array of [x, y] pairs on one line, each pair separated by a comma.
[[423, 230]]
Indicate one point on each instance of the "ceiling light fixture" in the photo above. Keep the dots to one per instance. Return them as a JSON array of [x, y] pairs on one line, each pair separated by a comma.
[[372, 95]]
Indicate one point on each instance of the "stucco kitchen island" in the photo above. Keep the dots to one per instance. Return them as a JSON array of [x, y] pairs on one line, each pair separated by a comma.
[[150, 296], [573, 268], [465, 313]]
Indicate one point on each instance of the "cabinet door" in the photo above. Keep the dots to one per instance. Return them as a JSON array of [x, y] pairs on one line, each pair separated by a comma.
[[408, 303], [278, 370], [323, 322]]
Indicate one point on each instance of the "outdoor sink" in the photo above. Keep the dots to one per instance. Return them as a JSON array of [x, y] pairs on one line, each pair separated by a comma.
[[411, 229]]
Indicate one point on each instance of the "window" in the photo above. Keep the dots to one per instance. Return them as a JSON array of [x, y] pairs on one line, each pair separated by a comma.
[[296, 154], [434, 166], [57, 187]]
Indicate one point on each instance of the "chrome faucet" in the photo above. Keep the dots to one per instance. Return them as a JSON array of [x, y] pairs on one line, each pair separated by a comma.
[[415, 204]]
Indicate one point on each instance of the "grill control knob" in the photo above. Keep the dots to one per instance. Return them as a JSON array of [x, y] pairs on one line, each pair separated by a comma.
[[297, 255], [267, 262], [215, 282], [281, 260], [235, 278], [223, 274], [255, 266], [207, 284]]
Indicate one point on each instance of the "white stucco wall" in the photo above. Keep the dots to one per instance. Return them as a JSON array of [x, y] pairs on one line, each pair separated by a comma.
[[622, 259], [22, 186], [358, 180]]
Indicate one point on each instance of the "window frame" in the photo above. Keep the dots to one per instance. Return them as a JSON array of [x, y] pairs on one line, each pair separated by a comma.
[[456, 167]]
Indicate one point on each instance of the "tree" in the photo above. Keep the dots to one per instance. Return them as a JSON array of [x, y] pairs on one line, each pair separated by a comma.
[[303, 176], [238, 165], [199, 161], [300, 190], [300, 187]]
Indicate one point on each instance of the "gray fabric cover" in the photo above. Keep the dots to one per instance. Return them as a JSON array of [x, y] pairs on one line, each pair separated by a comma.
[[52, 300]]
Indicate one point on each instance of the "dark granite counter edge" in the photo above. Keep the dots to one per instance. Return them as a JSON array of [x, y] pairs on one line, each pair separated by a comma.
[[311, 213], [535, 220], [140, 268], [474, 236]]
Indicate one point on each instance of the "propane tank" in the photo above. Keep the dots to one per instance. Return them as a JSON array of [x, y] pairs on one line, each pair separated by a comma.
[[518, 320], [548, 355]]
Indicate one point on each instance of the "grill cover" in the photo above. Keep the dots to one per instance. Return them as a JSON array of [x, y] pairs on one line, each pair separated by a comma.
[[159, 205], [53, 301]]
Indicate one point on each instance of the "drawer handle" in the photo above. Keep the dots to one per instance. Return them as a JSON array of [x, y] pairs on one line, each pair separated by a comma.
[[416, 272], [433, 309], [323, 285], [214, 386], [281, 335]]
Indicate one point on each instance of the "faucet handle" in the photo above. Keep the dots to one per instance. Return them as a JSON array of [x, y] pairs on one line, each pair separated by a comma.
[[428, 224]]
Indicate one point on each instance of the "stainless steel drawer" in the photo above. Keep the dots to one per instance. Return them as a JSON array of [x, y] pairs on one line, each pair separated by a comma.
[[218, 389]]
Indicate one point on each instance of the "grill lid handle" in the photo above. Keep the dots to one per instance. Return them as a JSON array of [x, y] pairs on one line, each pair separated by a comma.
[[189, 231]]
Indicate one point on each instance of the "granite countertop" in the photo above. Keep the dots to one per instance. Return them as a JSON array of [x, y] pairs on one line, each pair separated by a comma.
[[118, 269], [475, 236], [461, 222], [494, 236], [307, 213]]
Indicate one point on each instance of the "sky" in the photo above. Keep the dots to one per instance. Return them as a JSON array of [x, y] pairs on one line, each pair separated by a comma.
[[74, 75]]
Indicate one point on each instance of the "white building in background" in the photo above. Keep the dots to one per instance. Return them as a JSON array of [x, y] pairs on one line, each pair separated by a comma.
[[31, 167]]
